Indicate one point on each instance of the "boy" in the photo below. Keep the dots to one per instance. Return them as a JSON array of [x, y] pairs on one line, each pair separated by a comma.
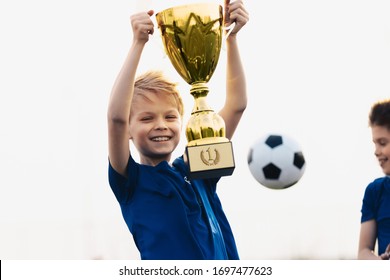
[[169, 216], [375, 219]]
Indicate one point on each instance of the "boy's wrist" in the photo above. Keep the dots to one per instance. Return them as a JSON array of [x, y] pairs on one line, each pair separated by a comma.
[[231, 39]]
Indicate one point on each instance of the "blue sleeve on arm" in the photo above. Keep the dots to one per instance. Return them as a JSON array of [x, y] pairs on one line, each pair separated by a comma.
[[123, 186]]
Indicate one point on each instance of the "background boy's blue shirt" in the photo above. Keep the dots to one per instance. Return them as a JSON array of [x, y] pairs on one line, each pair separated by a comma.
[[164, 214], [376, 205]]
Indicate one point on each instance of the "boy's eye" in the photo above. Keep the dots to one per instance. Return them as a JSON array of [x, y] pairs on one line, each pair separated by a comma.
[[383, 143], [171, 117], [147, 118]]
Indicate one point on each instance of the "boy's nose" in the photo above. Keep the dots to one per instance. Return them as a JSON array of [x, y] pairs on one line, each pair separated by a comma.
[[377, 152], [161, 125]]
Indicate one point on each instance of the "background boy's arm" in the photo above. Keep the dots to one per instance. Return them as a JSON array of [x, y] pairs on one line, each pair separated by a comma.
[[118, 112], [367, 241], [236, 99]]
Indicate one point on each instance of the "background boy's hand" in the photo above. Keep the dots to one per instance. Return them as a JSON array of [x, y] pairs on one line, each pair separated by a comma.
[[386, 254], [142, 25], [235, 12]]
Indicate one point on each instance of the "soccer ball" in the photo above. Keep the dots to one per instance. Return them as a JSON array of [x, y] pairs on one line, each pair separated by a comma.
[[276, 161]]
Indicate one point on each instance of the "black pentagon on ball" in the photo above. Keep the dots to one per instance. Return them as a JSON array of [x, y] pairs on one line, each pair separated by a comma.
[[271, 171], [299, 160], [274, 141]]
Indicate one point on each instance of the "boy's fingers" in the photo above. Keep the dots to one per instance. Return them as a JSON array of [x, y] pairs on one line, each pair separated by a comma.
[[150, 12]]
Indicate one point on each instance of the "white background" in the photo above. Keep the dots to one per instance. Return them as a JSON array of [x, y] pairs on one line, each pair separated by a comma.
[[313, 70]]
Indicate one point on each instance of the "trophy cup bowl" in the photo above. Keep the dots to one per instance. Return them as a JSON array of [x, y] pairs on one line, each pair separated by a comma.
[[192, 38]]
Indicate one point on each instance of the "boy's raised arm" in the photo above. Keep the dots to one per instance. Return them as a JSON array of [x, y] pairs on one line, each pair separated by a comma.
[[119, 105], [236, 99]]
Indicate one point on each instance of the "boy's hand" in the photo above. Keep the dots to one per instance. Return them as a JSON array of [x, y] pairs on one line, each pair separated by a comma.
[[235, 12], [142, 25], [386, 254]]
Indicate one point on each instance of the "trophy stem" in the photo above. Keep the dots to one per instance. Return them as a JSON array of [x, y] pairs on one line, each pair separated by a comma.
[[200, 91], [204, 125]]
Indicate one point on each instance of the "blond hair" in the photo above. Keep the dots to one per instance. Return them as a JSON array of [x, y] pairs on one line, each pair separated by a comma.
[[154, 81]]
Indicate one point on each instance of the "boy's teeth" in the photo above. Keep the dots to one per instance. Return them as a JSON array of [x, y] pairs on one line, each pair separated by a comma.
[[160, 139]]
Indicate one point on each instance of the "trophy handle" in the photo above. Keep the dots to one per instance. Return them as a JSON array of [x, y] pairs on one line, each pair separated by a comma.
[[156, 38], [229, 29]]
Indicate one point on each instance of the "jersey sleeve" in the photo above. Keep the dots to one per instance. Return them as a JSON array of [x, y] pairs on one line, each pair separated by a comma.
[[123, 186], [370, 199]]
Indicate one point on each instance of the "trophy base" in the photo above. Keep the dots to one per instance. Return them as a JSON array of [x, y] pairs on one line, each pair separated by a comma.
[[210, 160]]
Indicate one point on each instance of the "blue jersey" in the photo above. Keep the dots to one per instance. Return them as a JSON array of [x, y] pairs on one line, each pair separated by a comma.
[[171, 217], [376, 205]]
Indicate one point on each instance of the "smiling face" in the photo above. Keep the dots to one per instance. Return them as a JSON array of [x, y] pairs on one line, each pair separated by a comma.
[[381, 139], [155, 126]]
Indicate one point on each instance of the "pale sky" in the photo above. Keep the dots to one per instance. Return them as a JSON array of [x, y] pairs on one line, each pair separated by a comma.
[[313, 70]]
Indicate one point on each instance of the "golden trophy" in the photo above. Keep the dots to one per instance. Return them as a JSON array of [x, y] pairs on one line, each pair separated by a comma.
[[192, 38]]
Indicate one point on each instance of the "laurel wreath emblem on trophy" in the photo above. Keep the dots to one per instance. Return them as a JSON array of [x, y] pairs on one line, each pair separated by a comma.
[[210, 160]]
